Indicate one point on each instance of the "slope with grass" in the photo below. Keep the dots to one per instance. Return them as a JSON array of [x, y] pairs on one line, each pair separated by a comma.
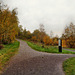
[[69, 66], [49, 49], [7, 52]]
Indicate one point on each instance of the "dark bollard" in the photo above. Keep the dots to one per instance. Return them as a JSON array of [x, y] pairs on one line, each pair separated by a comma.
[[60, 45]]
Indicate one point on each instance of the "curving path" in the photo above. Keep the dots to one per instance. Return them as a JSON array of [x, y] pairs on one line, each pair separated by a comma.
[[31, 62]]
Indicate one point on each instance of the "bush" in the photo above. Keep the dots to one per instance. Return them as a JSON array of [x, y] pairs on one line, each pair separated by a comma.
[[71, 42], [1, 46]]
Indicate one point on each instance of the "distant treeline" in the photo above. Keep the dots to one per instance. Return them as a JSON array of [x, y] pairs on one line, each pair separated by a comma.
[[39, 35]]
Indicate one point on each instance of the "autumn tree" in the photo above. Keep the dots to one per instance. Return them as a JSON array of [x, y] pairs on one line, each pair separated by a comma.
[[28, 35], [42, 32], [70, 42], [8, 25], [47, 40], [34, 38], [55, 40], [69, 35], [20, 32], [0, 23], [36, 34], [23, 33], [69, 30]]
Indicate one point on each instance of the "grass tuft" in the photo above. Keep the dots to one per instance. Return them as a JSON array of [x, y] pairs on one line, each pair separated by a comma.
[[69, 66]]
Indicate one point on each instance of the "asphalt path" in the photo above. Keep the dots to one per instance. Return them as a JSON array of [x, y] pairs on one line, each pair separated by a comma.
[[31, 62]]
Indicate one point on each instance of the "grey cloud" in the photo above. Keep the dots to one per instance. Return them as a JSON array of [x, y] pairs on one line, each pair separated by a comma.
[[54, 14]]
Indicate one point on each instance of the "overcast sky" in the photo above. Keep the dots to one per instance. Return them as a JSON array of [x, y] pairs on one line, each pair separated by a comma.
[[54, 14]]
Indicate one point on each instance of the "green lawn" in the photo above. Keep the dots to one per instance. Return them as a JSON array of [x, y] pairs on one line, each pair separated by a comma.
[[49, 49], [7, 52], [69, 66]]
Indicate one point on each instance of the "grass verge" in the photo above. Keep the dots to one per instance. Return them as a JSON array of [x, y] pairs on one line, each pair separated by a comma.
[[69, 66], [49, 49], [70, 48], [7, 52]]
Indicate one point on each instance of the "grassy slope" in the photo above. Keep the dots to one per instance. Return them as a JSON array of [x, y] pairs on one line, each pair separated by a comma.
[[49, 49], [69, 66], [7, 52]]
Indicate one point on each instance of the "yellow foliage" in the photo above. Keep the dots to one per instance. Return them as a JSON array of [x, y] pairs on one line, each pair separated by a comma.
[[64, 43], [47, 40], [8, 26], [34, 38]]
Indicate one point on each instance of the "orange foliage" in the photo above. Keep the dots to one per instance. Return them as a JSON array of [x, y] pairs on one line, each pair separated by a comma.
[[34, 38], [47, 40], [69, 36], [64, 43], [8, 26]]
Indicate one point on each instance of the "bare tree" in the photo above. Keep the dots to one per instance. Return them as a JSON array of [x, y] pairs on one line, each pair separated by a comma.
[[42, 32], [51, 34], [42, 28]]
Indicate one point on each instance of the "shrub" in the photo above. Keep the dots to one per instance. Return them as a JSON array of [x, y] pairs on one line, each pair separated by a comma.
[[1, 46]]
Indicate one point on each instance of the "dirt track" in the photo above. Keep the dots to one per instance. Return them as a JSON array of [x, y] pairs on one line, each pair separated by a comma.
[[31, 62]]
